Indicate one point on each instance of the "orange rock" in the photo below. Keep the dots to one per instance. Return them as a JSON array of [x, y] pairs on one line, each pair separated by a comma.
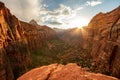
[[106, 41], [63, 72], [14, 54]]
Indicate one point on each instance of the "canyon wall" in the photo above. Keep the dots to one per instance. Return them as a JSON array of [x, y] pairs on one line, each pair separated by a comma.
[[102, 36], [105, 29], [14, 54], [17, 40]]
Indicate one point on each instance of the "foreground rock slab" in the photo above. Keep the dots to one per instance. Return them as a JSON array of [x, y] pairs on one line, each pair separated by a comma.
[[63, 72]]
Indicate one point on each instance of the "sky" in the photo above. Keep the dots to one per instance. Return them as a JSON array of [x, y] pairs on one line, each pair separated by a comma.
[[60, 13]]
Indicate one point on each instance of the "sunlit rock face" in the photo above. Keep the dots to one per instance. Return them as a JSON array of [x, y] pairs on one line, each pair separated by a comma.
[[17, 40], [14, 54], [105, 29], [32, 36], [62, 72]]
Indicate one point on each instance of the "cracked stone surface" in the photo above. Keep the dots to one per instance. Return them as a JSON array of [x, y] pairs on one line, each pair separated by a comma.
[[63, 72]]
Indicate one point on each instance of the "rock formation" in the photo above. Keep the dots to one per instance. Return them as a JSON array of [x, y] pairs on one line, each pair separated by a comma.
[[62, 72], [105, 29], [14, 54], [17, 40]]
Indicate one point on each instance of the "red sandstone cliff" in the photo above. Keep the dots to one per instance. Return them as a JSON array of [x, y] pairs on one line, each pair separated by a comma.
[[14, 54], [105, 29], [17, 40]]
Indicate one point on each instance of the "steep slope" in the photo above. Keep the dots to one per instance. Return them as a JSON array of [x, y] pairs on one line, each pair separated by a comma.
[[62, 72], [105, 29], [14, 54], [18, 40], [41, 40]]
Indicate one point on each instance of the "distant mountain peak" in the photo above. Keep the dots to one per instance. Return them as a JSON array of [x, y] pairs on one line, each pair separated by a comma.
[[33, 22]]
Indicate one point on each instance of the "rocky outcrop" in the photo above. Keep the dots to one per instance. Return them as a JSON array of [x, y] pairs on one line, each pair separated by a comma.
[[63, 72], [105, 29], [14, 54]]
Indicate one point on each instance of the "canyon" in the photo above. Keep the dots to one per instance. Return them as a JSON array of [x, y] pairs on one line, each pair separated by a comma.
[[77, 52]]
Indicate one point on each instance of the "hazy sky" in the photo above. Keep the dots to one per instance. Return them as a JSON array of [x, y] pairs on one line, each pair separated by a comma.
[[60, 13]]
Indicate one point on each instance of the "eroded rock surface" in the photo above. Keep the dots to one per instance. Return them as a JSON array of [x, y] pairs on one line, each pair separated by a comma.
[[62, 72], [105, 29], [14, 54], [17, 40]]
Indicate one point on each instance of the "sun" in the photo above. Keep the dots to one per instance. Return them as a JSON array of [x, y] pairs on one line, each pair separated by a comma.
[[79, 22]]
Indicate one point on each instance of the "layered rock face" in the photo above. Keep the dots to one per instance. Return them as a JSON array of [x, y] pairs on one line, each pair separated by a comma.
[[105, 29], [14, 54], [62, 72], [17, 40]]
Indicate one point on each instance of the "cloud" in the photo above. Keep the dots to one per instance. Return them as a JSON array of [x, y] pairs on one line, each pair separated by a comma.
[[61, 16], [56, 16], [54, 13], [27, 10], [93, 3], [79, 8], [61, 10], [45, 5], [54, 23], [24, 9], [65, 10]]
